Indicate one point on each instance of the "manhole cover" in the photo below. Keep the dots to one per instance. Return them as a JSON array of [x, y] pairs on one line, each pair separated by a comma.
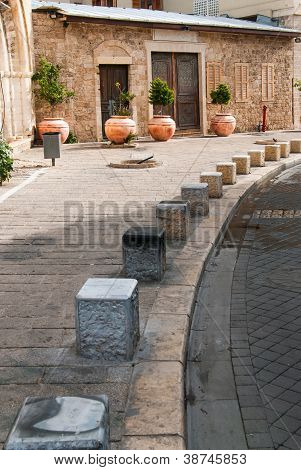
[[135, 164]]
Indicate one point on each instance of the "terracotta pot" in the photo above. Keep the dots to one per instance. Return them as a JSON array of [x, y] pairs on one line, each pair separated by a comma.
[[54, 125], [162, 128], [118, 128], [223, 124]]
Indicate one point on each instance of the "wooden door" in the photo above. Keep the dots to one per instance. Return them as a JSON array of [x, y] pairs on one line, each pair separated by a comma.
[[180, 71], [162, 68], [187, 91], [109, 75]]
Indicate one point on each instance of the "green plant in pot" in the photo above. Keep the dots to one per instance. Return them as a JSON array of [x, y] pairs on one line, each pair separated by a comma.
[[50, 89], [161, 127], [223, 124], [120, 128], [6, 161]]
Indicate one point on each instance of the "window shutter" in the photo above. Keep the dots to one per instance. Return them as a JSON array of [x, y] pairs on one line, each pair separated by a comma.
[[242, 82], [268, 82], [214, 76], [136, 3]]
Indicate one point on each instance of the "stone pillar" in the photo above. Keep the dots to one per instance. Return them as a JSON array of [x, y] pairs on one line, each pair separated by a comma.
[[257, 157], [243, 164], [285, 149], [198, 197], [174, 218], [144, 253], [215, 183], [107, 319], [296, 146], [61, 423], [228, 171], [272, 153]]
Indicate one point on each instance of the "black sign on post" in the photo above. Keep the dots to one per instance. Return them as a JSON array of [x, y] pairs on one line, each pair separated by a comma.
[[52, 146]]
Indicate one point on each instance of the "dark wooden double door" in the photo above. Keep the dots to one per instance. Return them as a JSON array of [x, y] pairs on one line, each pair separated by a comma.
[[180, 71]]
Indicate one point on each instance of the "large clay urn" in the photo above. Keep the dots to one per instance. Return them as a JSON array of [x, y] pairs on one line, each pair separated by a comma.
[[223, 124], [162, 128], [54, 125], [118, 129]]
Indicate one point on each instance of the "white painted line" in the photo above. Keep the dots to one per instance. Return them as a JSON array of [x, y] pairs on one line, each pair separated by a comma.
[[22, 185]]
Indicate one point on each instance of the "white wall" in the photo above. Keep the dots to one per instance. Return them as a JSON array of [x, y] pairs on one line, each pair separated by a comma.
[[272, 8]]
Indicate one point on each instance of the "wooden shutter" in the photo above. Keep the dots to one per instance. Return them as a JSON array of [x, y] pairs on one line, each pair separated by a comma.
[[136, 3], [268, 82], [214, 76], [242, 82]]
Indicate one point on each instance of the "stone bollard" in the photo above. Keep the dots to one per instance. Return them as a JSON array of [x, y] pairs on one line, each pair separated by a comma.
[[296, 146], [107, 319], [228, 171], [144, 253], [198, 197], [61, 423], [243, 164], [174, 218], [285, 149], [214, 180], [257, 157], [272, 153]]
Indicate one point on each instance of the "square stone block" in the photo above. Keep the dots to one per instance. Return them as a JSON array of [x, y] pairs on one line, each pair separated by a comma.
[[257, 157], [272, 153], [214, 180], [107, 319], [174, 218], [61, 423], [144, 253], [228, 171], [198, 197], [285, 149], [296, 146], [243, 164]]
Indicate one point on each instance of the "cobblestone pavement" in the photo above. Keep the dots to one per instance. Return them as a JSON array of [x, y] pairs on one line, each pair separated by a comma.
[[66, 226], [266, 318]]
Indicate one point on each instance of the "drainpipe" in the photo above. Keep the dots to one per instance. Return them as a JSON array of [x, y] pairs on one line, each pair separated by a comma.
[[264, 118]]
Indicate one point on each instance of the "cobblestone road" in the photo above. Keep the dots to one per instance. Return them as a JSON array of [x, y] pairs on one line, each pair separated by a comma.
[[266, 318]]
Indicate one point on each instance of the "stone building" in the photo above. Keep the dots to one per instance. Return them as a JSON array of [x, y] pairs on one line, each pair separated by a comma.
[[97, 46], [16, 65], [286, 13]]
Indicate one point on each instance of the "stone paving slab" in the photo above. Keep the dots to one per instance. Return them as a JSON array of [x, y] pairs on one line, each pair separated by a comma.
[[66, 227]]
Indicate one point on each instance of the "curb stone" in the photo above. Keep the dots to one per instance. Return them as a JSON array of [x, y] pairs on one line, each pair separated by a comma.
[[155, 412]]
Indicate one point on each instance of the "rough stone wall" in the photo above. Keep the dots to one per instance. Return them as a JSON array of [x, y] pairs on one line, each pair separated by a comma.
[[75, 47], [255, 50], [16, 115]]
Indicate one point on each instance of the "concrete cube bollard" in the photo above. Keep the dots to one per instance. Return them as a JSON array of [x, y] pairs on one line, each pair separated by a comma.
[[296, 146], [228, 171], [61, 423], [256, 157], [174, 218], [198, 197], [272, 153], [243, 164], [107, 319], [214, 180], [144, 253], [285, 148]]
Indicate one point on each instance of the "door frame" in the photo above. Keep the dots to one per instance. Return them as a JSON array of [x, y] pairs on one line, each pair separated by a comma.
[[183, 48]]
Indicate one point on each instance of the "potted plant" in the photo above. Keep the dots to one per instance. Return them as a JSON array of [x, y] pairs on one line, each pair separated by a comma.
[[6, 161], [223, 124], [120, 127], [51, 90], [161, 127]]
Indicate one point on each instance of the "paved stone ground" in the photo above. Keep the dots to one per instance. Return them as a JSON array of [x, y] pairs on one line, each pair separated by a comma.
[[66, 226], [266, 319]]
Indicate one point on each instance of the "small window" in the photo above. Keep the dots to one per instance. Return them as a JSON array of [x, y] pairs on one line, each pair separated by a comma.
[[268, 79], [242, 92], [214, 77]]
